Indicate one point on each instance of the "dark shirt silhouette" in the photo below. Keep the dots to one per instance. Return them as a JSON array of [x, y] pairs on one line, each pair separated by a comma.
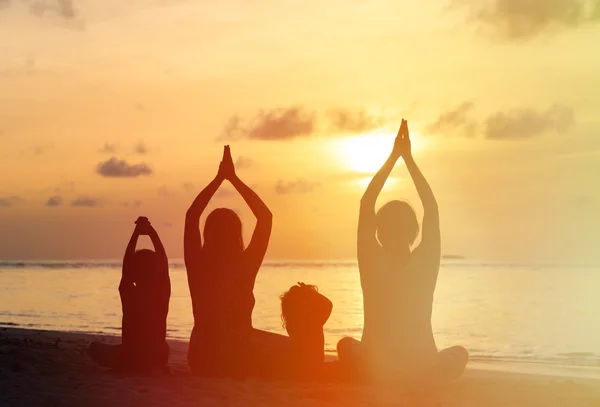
[[221, 275], [398, 284], [145, 290]]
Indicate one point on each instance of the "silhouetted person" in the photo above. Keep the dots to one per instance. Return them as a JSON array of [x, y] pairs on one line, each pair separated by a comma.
[[145, 291], [221, 275], [398, 284], [304, 311]]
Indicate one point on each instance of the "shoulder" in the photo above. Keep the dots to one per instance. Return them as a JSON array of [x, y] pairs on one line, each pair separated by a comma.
[[425, 261]]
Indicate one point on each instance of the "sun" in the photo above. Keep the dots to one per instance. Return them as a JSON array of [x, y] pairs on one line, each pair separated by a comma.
[[367, 153]]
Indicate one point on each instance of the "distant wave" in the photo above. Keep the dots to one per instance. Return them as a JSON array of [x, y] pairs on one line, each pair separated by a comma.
[[115, 264], [179, 264]]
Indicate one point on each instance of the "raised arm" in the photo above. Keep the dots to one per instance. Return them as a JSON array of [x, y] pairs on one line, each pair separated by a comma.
[[366, 220], [255, 252], [159, 249], [126, 276], [430, 235], [192, 242]]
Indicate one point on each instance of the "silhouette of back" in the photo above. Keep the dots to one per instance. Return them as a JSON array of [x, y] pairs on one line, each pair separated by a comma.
[[145, 290], [221, 275], [398, 284]]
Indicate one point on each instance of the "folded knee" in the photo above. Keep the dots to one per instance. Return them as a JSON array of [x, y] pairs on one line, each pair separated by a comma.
[[461, 354], [347, 346]]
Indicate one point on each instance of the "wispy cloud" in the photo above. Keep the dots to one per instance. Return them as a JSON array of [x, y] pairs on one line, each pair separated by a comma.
[[165, 191], [299, 186], [10, 201], [276, 124], [85, 201], [188, 187], [453, 120], [512, 124], [54, 201], [26, 67], [353, 121], [243, 162], [528, 123], [141, 148], [65, 187], [62, 10], [42, 148], [298, 122], [116, 168], [108, 148], [523, 19], [132, 204]]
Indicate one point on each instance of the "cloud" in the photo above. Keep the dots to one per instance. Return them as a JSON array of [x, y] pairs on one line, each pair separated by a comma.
[[132, 204], [141, 148], [276, 124], [62, 8], [41, 149], [65, 187], [522, 19], [116, 168], [517, 123], [26, 67], [10, 201], [165, 191], [108, 148], [84, 201], [528, 123], [243, 162], [140, 107], [300, 186], [54, 201], [358, 121], [453, 120]]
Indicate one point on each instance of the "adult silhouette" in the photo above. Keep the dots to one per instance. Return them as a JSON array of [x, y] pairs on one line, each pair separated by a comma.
[[398, 284], [221, 274], [145, 290]]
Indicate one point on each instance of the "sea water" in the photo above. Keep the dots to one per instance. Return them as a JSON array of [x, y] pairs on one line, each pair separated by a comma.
[[509, 312]]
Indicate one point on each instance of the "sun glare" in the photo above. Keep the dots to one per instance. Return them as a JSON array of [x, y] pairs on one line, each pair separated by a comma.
[[367, 153]]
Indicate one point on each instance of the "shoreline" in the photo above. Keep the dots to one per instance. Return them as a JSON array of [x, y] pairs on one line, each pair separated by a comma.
[[503, 364], [51, 368]]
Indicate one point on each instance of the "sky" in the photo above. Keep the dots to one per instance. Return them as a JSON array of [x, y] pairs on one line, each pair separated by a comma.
[[110, 110]]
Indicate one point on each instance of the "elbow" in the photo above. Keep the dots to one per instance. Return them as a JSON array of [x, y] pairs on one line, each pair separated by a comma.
[[431, 207], [265, 215], [191, 215]]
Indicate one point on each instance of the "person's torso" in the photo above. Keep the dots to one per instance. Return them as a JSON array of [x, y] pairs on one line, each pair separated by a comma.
[[397, 311], [145, 319], [223, 300]]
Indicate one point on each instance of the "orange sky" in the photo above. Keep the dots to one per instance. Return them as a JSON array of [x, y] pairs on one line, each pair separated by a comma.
[[502, 102]]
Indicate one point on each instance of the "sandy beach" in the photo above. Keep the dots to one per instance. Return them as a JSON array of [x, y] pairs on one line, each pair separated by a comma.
[[47, 368]]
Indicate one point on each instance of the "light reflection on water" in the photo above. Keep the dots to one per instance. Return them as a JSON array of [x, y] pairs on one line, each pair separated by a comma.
[[512, 312]]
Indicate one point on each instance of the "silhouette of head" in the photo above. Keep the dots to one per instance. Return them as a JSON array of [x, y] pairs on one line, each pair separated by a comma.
[[397, 225], [146, 267], [223, 232], [303, 306]]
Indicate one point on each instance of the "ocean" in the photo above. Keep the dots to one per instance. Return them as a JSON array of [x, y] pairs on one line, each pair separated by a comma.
[[508, 312]]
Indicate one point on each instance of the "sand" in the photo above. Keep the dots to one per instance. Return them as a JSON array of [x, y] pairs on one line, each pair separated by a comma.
[[46, 368]]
